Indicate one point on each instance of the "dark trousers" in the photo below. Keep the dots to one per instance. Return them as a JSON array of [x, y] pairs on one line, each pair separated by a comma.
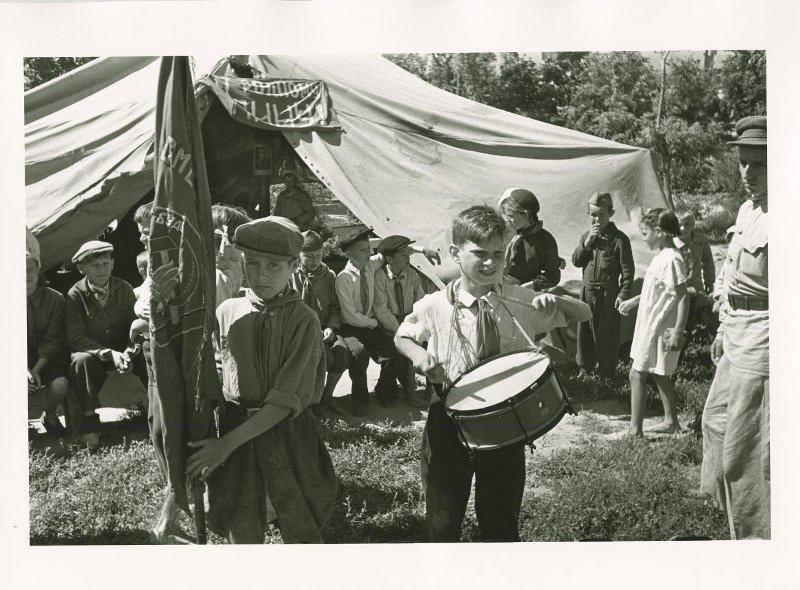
[[447, 470], [378, 345], [598, 338], [88, 374]]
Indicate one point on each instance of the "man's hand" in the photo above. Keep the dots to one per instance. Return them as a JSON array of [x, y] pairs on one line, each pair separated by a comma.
[[544, 303], [430, 366], [594, 233], [209, 454], [431, 255], [328, 335], [716, 350], [34, 381], [121, 362], [625, 307]]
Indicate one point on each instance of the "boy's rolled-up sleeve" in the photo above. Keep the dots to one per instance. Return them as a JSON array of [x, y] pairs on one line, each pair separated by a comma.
[[300, 379], [418, 325]]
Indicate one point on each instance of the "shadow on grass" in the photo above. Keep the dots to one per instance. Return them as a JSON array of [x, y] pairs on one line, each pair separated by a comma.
[[367, 514]]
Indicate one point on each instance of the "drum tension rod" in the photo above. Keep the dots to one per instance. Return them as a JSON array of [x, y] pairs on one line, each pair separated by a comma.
[[528, 439]]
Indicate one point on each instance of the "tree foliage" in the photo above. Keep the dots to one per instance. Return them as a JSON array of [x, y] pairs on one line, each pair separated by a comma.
[[611, 95], [39, 70]]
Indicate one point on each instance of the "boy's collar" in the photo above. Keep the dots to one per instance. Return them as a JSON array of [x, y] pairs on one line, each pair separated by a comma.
[[466, 298], [92, 287]]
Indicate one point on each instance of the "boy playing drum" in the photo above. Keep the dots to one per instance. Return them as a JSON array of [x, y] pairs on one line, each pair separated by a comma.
[[475, 318]]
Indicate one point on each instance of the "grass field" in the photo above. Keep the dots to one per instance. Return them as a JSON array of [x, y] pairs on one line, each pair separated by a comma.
[[583, 482]]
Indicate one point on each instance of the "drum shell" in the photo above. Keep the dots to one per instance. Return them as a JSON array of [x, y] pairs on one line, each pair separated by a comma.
[[539, 408]]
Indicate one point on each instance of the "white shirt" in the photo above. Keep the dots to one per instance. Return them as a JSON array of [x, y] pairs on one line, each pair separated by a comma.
[[348, 290], [451, 331]]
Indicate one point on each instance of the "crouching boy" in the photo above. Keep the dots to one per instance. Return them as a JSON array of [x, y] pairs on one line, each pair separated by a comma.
[[269, 464], [475, 318], [99, 313]]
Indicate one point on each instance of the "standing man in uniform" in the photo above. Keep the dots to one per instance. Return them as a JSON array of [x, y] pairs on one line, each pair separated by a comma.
[[736, 470], [294, 203]]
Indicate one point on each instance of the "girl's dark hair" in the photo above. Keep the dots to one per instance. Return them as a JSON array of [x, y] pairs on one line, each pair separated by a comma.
[[663, 219], [477, 224], [233, 217]]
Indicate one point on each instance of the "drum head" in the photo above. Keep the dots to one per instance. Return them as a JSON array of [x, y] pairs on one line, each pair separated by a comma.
[[494, 381]]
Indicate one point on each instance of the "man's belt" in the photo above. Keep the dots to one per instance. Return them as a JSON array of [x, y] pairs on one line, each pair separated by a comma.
[[748, 302]]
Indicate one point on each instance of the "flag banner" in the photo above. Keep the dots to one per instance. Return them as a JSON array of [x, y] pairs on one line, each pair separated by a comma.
[[274, 104], [181, 236]]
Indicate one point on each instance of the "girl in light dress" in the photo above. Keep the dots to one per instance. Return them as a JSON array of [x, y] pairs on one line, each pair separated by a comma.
[[659, 334]]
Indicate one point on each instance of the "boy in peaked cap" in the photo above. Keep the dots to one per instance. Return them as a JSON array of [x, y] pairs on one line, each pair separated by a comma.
[[355, 288], [99, 312], [316, 284], [604, 254], [397, 289], [269, 463], [736, 455]]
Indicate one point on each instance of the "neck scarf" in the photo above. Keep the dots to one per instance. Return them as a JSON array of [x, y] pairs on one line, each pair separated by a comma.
[[307, 294], [100, 293]]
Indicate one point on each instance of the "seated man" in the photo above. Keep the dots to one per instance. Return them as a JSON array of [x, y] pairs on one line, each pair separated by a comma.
[[47, 344], [99, 313], [397, 289]]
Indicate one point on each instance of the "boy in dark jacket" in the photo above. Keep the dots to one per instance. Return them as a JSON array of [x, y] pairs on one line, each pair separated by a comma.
[[99, 314], [604, 254]]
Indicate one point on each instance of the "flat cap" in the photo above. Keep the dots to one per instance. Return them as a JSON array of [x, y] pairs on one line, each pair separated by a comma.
[[312, 241], [599, 199], [273, 235], [92, 248], [520, 198], [751, 131], [353, 236], [392, 244]]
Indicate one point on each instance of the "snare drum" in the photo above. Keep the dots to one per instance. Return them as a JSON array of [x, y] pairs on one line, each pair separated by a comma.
[[506, 399]]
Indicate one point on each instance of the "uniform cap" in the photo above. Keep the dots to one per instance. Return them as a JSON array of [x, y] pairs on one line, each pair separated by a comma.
[[354, 236], [92, 248], [599, 199], [751, 131], [312, 241], [271, 235], [392, 244]]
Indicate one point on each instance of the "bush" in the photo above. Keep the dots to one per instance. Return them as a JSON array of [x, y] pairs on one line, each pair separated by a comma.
[[714, 213]]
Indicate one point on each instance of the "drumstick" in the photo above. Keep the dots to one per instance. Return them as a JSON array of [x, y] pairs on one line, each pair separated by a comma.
[[530, 341]]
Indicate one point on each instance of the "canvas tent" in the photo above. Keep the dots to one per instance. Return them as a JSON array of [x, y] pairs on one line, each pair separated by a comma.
[[405, 158]]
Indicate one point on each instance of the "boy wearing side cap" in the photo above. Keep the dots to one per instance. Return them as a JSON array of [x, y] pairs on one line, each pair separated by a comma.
[[269, 464], [604, 254], [99, 312], [397, 289], [316, 284], [355, 288]]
